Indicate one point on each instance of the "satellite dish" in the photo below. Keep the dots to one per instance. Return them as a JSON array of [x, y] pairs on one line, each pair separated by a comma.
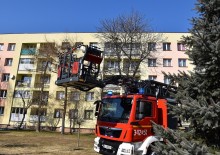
[[12, 77]]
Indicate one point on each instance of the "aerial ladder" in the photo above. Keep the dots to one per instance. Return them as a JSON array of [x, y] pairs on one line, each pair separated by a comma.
[[124, 122], [80, 72]]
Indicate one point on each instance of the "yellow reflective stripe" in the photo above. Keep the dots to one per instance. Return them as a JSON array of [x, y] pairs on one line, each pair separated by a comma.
[[142, 126]]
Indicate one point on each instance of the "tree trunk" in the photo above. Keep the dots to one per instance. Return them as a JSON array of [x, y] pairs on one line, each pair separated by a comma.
[[78, 139], [23, 117], [64, 112], [41, 99]]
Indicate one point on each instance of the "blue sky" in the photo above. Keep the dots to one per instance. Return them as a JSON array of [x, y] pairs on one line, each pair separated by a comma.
[[41, 16]]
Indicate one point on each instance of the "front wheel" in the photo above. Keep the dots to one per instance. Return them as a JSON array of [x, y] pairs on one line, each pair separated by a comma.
[[151, 152]]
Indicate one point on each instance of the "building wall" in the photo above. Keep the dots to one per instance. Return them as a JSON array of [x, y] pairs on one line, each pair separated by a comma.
[[53, 103]]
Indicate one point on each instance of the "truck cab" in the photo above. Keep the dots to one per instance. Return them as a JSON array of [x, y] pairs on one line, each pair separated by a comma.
[[124, 122]]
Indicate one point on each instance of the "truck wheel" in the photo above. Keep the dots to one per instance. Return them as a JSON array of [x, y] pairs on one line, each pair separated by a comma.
[[151, 152]]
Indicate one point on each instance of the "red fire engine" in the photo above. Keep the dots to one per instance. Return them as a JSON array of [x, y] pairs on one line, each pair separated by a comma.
[[124, 122]]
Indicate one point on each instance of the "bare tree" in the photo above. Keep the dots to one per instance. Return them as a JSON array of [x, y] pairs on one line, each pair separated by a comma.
[[46, 57], [130, 40]]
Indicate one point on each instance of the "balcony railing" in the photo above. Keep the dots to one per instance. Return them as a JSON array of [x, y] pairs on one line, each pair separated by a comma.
[[26, 67], [29, 51], [17, 117], [23, 84], [34, 118], [39, 85]]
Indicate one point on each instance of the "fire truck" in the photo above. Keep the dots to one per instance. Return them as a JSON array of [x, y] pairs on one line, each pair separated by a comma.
[[124, 122]]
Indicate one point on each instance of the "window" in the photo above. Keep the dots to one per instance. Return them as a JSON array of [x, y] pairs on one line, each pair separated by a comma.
[[1, 46], [88, 114], [11, 46], [89, 96], [43, 112], [143, 109], [151, 62], [3, 93], [8, 61], [40, 97], [24, 93], [45, 80], [167, 62], [26, 61], [152, 77], [18, 110], [152, 46], [26, 80], [93, 44], [58, 113], [65, 45], [130, 65], [34, 113], [182, 62], [60, 95], [5, 77], [166, 47], [166, 80], [26, 64], [181, 47], [112, 64], [75, 96], [46, 62], [78, 43], [73, 113], [2, 110]]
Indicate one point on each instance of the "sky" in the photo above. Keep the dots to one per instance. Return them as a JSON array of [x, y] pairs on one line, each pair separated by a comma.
[[50, 16]]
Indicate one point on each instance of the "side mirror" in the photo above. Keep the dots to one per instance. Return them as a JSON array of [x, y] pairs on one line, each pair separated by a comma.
[[98, 104]]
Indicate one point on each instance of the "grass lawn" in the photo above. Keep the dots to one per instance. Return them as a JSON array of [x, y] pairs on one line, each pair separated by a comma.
[[49, 143]]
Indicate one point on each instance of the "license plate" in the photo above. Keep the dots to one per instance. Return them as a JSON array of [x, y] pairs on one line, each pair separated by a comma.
[[107, 146]]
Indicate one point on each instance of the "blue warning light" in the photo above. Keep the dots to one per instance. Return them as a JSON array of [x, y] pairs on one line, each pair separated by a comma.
[[109, 93], [141, 90]]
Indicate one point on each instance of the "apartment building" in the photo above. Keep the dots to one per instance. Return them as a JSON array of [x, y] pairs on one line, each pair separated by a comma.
[[20, 73]]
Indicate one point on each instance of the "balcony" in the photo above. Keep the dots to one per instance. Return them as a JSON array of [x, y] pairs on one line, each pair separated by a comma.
[[110, 71], [34, 118], [23, 84], [39, 85], [29, 51]]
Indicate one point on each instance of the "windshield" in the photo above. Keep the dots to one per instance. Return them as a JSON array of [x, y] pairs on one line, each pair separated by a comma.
[[115, 110]]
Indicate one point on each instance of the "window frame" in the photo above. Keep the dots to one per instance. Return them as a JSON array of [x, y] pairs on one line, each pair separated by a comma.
[[3, 93], [92, 96], [2, 109], [88, 113], [73, 113], [166, 80], [181, 47], [5, 77], [26, 94], [167, 62], [167, 46], [182, 62], [11, 46], [152, 62], [59, 112], [8, 61], [58, 97], [75, 96], [152, 46], [2, 46], [152, 77]]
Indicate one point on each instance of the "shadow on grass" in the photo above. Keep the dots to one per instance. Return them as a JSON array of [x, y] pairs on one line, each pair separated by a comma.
[[19, 145]]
